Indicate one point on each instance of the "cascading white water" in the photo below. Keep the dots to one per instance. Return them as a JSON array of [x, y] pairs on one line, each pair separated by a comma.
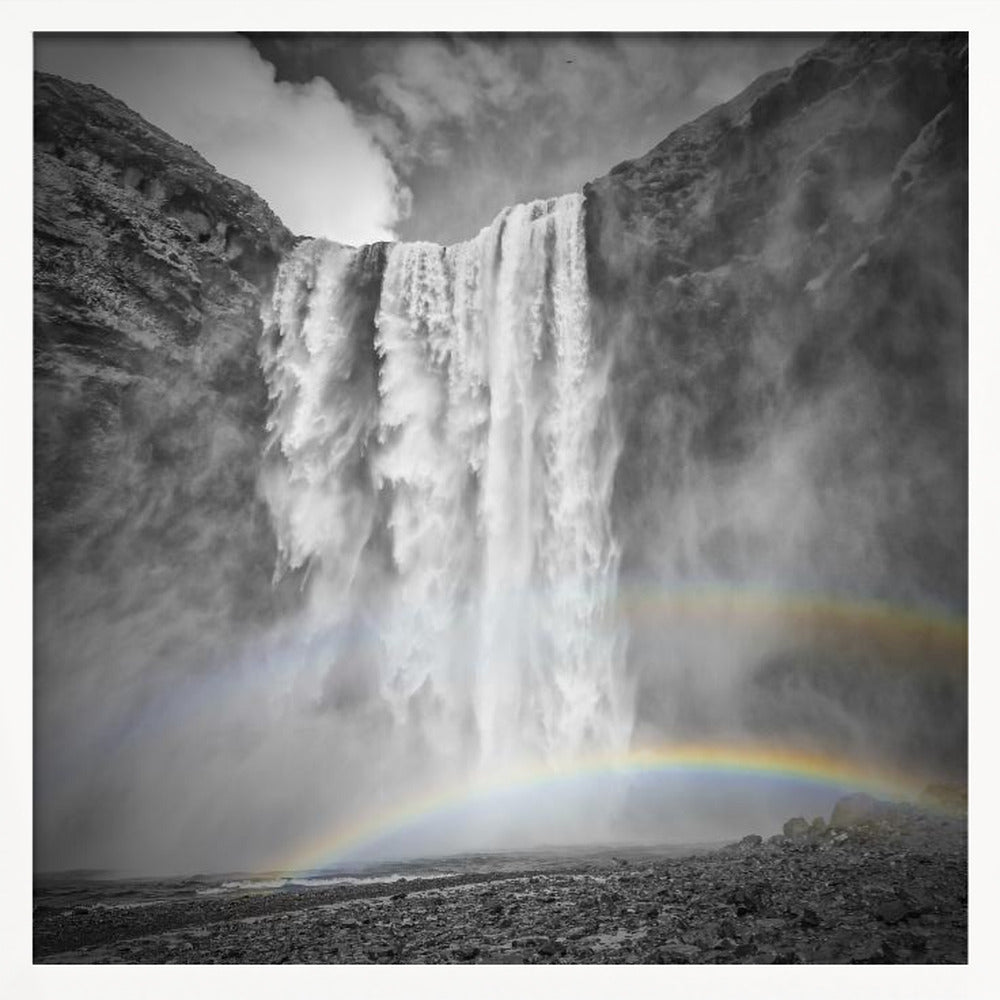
[[322, 413], [485, 434]]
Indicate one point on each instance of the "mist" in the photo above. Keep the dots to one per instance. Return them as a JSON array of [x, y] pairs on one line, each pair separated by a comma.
[[659, 463], [791, 496]]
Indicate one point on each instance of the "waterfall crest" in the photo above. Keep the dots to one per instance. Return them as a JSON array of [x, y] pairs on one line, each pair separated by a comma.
[[465, 431]]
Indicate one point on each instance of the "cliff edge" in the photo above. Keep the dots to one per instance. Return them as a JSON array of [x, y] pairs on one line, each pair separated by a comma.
[[149, 404]]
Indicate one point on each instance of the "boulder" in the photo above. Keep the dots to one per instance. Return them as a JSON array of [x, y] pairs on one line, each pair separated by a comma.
[[945, 797], [854, 809], [893, 911], [750, 898], [796, 828]]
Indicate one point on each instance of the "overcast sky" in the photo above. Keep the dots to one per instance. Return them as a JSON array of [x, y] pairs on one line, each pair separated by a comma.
[[367, 137]]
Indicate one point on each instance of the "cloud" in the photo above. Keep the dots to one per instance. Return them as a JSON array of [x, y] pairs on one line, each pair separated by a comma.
[[298, 145], [475, 122], [432, 82]]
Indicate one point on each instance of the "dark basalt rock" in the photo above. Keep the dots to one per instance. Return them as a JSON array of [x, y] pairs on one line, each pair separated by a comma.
[[893, 911], [149, 270], [854, 809], [864, 901], [796, 829], [810, 230], [785, 282]]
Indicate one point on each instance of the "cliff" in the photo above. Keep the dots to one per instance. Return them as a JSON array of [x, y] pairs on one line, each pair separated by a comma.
[[786, 281], [148, 398]]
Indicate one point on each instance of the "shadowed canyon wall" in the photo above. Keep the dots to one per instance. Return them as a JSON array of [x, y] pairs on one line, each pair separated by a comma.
[[152, 548], [785, 280]]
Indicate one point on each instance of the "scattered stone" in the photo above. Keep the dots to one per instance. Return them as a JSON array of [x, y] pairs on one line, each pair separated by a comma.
[[749, 899], [893, 911], [872, 898], [727, 929], [676, 952], [752, 840], [549, 948]]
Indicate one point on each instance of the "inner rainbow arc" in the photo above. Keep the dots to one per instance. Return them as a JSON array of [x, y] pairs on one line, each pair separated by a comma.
[[754, 761]]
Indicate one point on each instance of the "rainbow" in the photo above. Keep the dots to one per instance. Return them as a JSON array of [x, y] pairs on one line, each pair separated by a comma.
[[913, 637], [739, 760], [928, 630]]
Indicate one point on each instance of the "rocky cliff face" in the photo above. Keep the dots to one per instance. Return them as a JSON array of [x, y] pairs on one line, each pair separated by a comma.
[[149, 402], [798, 256], [786, 279]]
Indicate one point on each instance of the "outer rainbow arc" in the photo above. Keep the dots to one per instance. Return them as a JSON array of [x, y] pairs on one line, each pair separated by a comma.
[[753, 604], [744, 605], [750, 760]]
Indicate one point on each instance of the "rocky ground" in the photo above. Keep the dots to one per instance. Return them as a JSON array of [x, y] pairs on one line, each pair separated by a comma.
[[889, 887]]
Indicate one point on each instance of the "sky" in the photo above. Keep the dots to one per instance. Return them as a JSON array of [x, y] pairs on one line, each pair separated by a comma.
[[365, 137]]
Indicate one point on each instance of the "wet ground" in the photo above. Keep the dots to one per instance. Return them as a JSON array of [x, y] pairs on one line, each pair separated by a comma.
[[877, 893]]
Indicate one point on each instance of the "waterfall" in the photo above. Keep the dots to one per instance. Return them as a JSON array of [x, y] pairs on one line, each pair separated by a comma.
[[321, 416], [467, 424]]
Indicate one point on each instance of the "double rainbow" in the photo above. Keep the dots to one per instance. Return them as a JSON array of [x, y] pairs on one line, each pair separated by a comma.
[[738, 760], [939, 641]]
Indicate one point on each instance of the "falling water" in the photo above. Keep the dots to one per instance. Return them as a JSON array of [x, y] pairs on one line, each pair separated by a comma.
[[322, 414], [469, 428]]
